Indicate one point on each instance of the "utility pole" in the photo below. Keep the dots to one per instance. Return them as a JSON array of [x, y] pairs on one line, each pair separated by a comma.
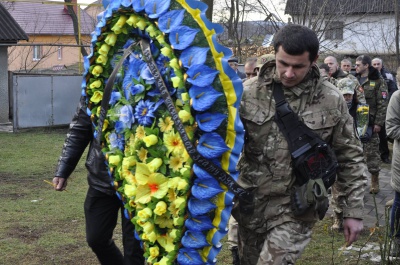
[[396, 12]]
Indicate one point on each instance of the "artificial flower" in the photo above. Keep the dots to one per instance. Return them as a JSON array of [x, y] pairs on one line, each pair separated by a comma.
[[201, 75], [140, 133], [155, 8], [206, 189], [184, 115], [166, 242], [165, 124], [142, 154], [150, 140], [97, 70], [199, 223], [175, 163], [173, 142], [195, 240], [102, 59], [209, 122], [194, 55], [145, 213], [182, 37], [170, 20], [96, 97], [203, 97], [161, 208], [154, 252], [164, 221], [166, 51], [144, 112], [95, 84], [133, 19], [155, 164], [114, 160], [121, 21], [130, 190], [111, 39], [104, 49], [211, 145], [141, 24]]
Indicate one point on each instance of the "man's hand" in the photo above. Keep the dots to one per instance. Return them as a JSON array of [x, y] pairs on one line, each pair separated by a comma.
[[59, 183], [352, 229], [377, 128]]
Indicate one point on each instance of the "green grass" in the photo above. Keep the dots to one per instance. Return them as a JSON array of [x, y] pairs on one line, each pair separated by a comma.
[[41, 226]]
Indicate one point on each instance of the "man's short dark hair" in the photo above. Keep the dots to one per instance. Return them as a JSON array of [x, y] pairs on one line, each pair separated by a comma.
[[296, 39], [364, 59], [324, 66]]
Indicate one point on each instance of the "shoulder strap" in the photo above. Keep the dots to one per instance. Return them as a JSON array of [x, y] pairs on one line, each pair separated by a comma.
[[300, 138]]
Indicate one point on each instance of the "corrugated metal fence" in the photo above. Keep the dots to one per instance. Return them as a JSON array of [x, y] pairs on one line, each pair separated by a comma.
[[44, 100]]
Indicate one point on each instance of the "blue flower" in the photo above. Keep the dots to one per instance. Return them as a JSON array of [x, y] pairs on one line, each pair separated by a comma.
[[113, 138], [128, 43], [200, 207], [193, 55], [199, 223], [144, 112], [120, 126], [137, 89], [126, 3], [162, 64], [203, 97], [155, 8], [209, 122], [182, 37], [170, 20], [206, 189], [193, 239], [138, 5], [115, 96], [146, 75], [86, 64], [201, 75], [189, 256], [126, 115], [211, 145], [135, 67]]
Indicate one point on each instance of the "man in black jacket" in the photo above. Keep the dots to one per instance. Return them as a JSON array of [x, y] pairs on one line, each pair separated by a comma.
[[102, 203], [392, 87]]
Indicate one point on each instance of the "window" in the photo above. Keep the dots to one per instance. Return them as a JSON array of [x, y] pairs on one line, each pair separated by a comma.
[[37, 53], [334, 31], [59, 53]]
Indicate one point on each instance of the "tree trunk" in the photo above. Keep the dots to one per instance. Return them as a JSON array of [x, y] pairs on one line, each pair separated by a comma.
[[74, 18]]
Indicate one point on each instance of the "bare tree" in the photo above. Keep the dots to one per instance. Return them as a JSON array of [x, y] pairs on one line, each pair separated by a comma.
[[74, 18]]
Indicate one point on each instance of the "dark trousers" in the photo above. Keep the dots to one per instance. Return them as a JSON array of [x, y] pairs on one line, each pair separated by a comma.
[[383, 143], [101, 214]]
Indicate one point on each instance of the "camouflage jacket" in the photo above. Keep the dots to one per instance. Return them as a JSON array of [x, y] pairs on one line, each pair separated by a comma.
[[376, 95], [265, 165], [340, 74]]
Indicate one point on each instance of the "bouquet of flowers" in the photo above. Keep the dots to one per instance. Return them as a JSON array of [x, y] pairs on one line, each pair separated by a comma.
[[179, 210], [362, 119]]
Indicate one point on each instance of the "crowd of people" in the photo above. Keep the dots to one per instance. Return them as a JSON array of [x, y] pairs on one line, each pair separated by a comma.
[[301, 141]]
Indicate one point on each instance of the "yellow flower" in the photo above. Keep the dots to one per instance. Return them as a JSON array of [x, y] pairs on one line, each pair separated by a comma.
[[114, 160], [105, 125], [102, 59], [97, 70], [132, 20], [166, 124], [164, 221], [148, 227], [189, 131], [111, 39], [163, 261], [129, 177], [104, 49], [176, 81], [174, 64], [152, 30], [178, 221], [161, 208], [175, 163], [177, 206], [166, 51], [150, 186], [155, 164], [121, 21], [145, 213], [141, 24], [128, 162], [171, 195], [150, 140], [184, 115], [96, 97], [140, 132], [185, 96], [142, 154], [152, 237], [129, 190], [160, 38], [182, 184], [132, 203], [95, 84], [173, 143], [154, 252], [166, 242]]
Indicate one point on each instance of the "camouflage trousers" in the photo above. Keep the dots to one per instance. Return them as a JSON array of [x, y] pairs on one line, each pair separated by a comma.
[[232, 233], [371, 154], [280, 245]]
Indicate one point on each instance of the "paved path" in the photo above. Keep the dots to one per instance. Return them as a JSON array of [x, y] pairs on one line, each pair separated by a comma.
[[386, 193]]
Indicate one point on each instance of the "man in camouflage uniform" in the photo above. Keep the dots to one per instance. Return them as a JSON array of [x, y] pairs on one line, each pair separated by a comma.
[[272, 234], [376, 95], [336, 74]]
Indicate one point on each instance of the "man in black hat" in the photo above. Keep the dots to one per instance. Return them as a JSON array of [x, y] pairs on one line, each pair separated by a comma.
[[233, 62]]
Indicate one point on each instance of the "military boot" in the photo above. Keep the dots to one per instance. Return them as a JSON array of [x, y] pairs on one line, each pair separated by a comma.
[[374, 183], [337, 222], [235, 256]]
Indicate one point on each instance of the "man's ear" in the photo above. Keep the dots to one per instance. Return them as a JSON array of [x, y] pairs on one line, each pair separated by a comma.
[[316, 58]]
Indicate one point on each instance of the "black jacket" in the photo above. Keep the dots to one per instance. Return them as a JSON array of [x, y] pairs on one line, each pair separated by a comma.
[[391, 84], [79, 136]]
